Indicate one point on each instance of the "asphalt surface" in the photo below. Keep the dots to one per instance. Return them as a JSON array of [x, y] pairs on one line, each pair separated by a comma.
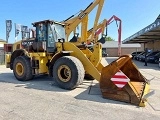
[[42, 99]]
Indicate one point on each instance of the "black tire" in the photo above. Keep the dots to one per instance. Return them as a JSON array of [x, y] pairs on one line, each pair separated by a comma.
[[75, 73], [88, 77], [23, 62]]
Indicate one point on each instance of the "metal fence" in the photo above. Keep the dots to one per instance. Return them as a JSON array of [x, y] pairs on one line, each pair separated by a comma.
[[2, 57]]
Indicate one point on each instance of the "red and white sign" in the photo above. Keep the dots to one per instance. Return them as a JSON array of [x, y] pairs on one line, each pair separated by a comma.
[[120, 79]]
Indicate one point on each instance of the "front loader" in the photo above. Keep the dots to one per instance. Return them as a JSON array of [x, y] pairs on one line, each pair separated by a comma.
[[51, 53]]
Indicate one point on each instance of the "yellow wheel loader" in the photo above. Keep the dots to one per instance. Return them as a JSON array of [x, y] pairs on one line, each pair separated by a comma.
[[51, 53]]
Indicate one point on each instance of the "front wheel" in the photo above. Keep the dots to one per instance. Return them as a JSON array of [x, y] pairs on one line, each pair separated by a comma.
[[68, 72]]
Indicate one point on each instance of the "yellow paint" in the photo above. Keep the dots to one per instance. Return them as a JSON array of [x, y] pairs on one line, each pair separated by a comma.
[[17, 45], [42, 65], [19, 69], [43, 59], [64, 73], [38, 54], [146, 91], [97, 54], [7, 60], [59, 47]]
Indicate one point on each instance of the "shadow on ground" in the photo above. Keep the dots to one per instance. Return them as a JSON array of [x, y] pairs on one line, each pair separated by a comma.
[[91, 91], [39, 82]]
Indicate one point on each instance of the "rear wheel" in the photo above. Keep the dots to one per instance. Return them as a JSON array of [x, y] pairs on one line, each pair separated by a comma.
[[22, 68], [68, 72]]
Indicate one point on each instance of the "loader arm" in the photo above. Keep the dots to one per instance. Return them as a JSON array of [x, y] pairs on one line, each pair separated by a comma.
[[89, 66], [73, 22], [100, 29], [84, 28]]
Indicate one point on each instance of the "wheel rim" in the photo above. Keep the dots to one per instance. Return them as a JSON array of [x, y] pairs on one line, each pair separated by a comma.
[[64, 73], [19, 69]]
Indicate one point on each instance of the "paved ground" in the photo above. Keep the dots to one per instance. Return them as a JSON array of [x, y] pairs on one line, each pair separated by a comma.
[[41, 99]]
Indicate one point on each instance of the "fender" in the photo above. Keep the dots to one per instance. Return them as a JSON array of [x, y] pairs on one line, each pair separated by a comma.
[[16, 53]]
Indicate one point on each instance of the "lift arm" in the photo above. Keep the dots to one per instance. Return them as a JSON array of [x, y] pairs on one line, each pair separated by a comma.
[[100, 29], [72, 23]]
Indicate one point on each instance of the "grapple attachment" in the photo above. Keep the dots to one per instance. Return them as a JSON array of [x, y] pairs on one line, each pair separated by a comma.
[[122, 81]]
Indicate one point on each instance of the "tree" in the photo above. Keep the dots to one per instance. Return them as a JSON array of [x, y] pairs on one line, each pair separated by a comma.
[[109, 39]]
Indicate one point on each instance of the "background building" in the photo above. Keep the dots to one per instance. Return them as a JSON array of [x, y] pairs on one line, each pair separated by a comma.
[[149, 36], [111, 48], [2, 53]]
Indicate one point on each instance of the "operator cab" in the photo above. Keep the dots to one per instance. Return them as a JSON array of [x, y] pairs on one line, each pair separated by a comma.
[[48, 32]]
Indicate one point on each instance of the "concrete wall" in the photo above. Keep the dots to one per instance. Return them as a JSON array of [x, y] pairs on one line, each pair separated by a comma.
[[113, 52], [128, 50], [157, 45], [142, 48]]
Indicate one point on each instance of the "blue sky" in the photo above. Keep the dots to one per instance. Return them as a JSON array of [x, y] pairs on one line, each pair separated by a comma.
[[135, 14]]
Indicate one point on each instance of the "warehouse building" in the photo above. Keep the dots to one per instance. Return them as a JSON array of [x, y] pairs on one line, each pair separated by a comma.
[[149, 37], [2, 53]]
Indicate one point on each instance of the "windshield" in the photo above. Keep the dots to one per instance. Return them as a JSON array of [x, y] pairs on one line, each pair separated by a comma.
[[58, 31]]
